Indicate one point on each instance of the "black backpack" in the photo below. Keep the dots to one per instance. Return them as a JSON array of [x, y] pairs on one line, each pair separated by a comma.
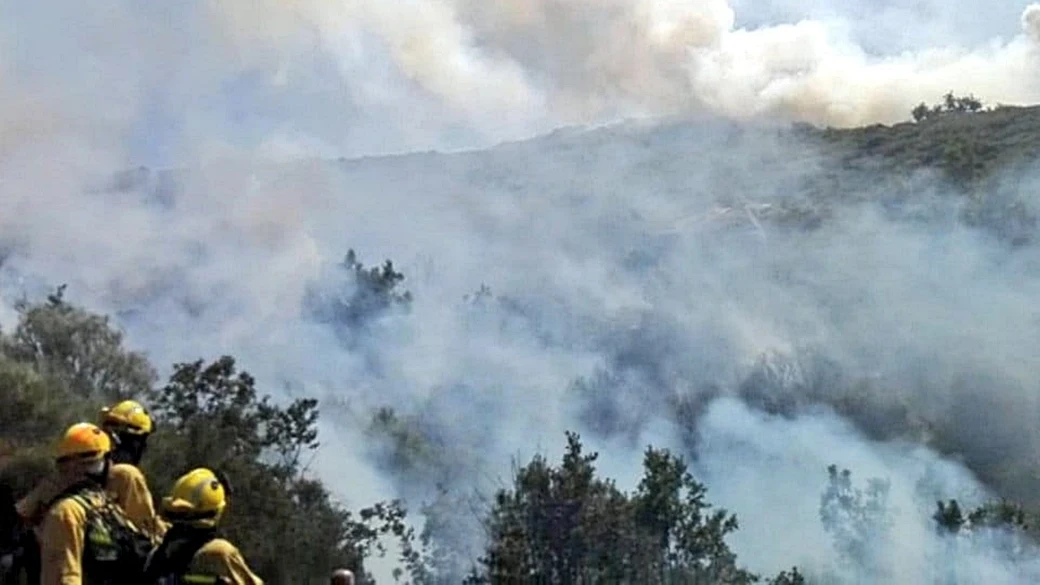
[[168, 563], [115, 550]]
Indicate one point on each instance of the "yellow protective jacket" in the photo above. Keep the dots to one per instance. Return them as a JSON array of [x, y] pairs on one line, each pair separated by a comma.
[[219, 559], [129, 489], [127, 486], [62, 534]]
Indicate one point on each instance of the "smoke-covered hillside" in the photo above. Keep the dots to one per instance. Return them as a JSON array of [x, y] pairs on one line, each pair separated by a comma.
[[765, 301]]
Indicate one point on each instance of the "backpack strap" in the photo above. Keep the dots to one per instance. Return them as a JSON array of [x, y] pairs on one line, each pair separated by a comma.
[[76, 492], [83, 502], [103, 537], [88, 507]]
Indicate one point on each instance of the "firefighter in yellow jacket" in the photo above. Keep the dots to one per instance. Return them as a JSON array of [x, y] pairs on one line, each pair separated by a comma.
[[83, 460], [129, 425], [192, 552]]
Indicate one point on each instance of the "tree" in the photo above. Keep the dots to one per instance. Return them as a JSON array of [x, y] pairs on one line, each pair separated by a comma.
[[948, 517], [920, 112], [792, 577], [80, 349], [856, 519], [950, 104], [286, 524], [219, 409], [565, 525], [370, 293], [57, 367], [62, 363], [34, 406], [1002, 525]]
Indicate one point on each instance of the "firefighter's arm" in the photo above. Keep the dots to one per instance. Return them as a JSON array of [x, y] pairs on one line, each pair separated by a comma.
[[129, 487], [31, 507], [61, 546], [240, 571], [224, 560], [28, 508]]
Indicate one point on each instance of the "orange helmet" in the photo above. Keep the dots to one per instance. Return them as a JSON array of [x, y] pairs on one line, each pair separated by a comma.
[[83, 442]]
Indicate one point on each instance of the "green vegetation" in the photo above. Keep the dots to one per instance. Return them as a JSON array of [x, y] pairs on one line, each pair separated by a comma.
[[951, 104], [62, 363], [958, 149], [563, 524]]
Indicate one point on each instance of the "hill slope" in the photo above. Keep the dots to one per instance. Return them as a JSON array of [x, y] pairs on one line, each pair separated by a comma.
[[619, 281]]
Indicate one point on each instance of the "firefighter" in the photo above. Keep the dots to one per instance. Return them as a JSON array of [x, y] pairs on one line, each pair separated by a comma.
[[191, 551], [128, 426], [85, 538]]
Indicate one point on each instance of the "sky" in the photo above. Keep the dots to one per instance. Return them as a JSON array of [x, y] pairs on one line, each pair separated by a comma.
[[274, 114]]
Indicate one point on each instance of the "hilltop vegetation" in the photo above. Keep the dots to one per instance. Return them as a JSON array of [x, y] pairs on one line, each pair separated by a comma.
[[958, 145]]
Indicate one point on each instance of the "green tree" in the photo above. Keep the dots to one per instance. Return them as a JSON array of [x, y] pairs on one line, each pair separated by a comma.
[[219, 410], [58, 366], [950, 104], [370, 293], [61, 363], [563, 524], [35, 407], [287, 525], [80, 349], [948, 517]]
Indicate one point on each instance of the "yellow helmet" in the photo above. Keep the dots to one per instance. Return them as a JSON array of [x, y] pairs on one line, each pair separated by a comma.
[[83, 442], [128, 416], [197, 498]]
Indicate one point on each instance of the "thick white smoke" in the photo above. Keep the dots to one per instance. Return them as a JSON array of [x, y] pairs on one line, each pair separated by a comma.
[[626, 294], [205, 80], [513, 65], [758, 461]]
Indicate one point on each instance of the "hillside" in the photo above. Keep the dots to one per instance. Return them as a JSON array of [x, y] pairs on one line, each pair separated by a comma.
[[755, 303], [1002, 137]]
